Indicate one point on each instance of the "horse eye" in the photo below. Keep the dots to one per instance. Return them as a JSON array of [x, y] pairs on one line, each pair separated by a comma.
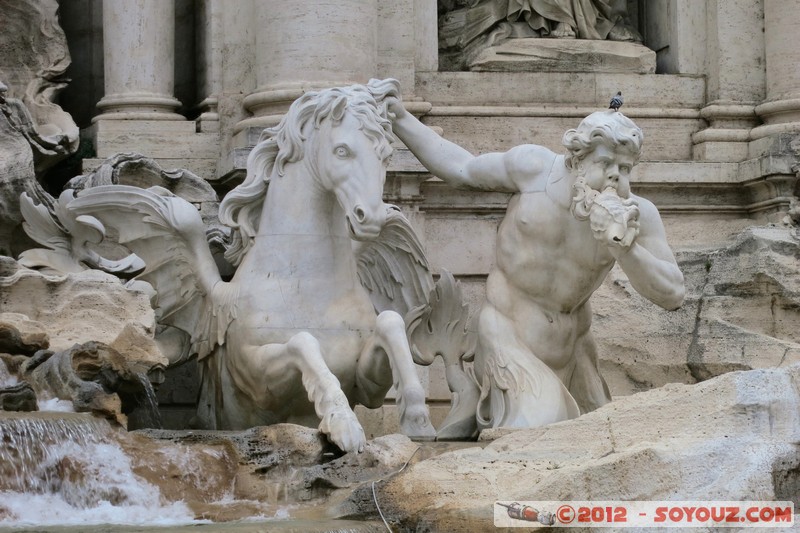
[[341, 151]]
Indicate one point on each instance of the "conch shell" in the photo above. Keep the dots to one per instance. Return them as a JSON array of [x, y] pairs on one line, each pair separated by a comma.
[[613, 218]]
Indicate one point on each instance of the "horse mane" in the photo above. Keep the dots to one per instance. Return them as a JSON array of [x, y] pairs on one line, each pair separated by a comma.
[[241, 208]]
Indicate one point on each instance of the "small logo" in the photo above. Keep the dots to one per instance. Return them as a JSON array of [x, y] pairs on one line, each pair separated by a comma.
[[566, 514], [517, 511], [645, 513]]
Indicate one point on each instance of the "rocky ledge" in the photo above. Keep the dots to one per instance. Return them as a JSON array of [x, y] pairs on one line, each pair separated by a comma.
[[733, 437]]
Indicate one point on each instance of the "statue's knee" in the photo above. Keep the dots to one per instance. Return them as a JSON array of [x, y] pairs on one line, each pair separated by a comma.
[[389, 320], [303, 342]]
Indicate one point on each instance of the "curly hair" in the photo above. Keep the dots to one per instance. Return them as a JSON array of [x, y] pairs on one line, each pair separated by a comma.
[[611, 128], [241, 208]]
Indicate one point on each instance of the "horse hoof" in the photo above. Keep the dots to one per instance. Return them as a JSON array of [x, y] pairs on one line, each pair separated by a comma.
[[415, 420], [417, 426], [344, 430]]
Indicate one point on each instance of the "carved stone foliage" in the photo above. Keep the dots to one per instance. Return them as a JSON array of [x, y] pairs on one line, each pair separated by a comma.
[[33, 59], [17, 175]]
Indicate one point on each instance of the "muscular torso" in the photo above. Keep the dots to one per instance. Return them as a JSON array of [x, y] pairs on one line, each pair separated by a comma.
[[548, 265]]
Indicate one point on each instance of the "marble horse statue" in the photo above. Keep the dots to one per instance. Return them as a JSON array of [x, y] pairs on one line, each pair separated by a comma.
[[305, 328]]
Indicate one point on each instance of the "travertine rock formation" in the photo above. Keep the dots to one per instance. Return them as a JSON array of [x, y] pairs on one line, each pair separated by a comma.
[[741, 312], [286, 463], [100, 336], [83, 307], [734, 437]]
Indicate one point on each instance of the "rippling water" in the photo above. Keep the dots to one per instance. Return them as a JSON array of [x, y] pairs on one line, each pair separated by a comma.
[[65, 469], [66, 472], [279, 526]]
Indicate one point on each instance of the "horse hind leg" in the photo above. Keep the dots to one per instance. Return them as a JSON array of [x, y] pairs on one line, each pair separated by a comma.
[[338, 421], [387, 360]]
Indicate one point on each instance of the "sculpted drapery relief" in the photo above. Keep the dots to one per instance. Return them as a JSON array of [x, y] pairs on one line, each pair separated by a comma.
[[469, 27], [461, 21]]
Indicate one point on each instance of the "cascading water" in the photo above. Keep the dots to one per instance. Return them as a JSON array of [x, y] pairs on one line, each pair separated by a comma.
[[147, 414], [75, 470], [6, 378], [67, 469]]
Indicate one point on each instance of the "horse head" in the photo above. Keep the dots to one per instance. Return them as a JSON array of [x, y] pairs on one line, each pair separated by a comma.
[[343, 137], [349, 153]]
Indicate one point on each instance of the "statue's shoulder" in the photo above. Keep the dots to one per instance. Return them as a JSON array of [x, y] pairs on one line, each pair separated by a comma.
[[530, 165], [648, 212], [644, 204]]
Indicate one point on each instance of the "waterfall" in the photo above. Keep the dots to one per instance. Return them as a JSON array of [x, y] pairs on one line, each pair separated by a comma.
[[148, 413], [6, 379], [67, 469]]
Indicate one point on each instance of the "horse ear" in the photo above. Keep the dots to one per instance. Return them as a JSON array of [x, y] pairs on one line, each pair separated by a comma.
[[339, 107]]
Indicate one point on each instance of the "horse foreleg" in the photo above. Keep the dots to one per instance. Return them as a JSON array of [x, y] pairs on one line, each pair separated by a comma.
[[387, 357], [338, 421]]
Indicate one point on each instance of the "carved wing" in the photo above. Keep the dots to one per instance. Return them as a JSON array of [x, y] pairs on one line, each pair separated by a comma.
[[393, 268], [167, 232], [65, 237]]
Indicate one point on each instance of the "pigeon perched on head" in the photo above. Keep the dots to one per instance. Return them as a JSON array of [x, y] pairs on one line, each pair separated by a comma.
[[616, 101]]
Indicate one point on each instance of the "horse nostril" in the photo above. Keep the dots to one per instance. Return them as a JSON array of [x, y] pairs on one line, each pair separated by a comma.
[[359, 213]]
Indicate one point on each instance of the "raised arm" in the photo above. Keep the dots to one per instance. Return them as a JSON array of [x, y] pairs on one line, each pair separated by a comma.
[[649, 262], [505, 172]]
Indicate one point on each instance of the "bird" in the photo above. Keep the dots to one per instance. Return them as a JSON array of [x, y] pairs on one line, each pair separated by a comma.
[[616, 101]]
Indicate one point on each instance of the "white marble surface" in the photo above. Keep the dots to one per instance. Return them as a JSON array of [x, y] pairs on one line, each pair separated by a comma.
[[294, 335], [569, 220]]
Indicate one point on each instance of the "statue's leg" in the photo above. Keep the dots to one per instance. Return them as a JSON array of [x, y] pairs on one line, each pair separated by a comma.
[[273, 362], [387, 360], [586, 385], [517, 388]]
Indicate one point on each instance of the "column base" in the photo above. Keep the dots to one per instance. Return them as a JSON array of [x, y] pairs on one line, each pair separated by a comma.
[[726, 138], [138, 106], [773, 129], [779, 116], [724, 152], [208, 121], [172, 143], [269, 104]]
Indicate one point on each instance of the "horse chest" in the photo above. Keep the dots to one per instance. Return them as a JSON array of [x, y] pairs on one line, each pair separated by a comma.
[[306, 304]]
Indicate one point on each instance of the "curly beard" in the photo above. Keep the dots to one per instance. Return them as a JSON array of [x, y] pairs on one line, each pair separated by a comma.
[[612, 219], [583, 200]]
